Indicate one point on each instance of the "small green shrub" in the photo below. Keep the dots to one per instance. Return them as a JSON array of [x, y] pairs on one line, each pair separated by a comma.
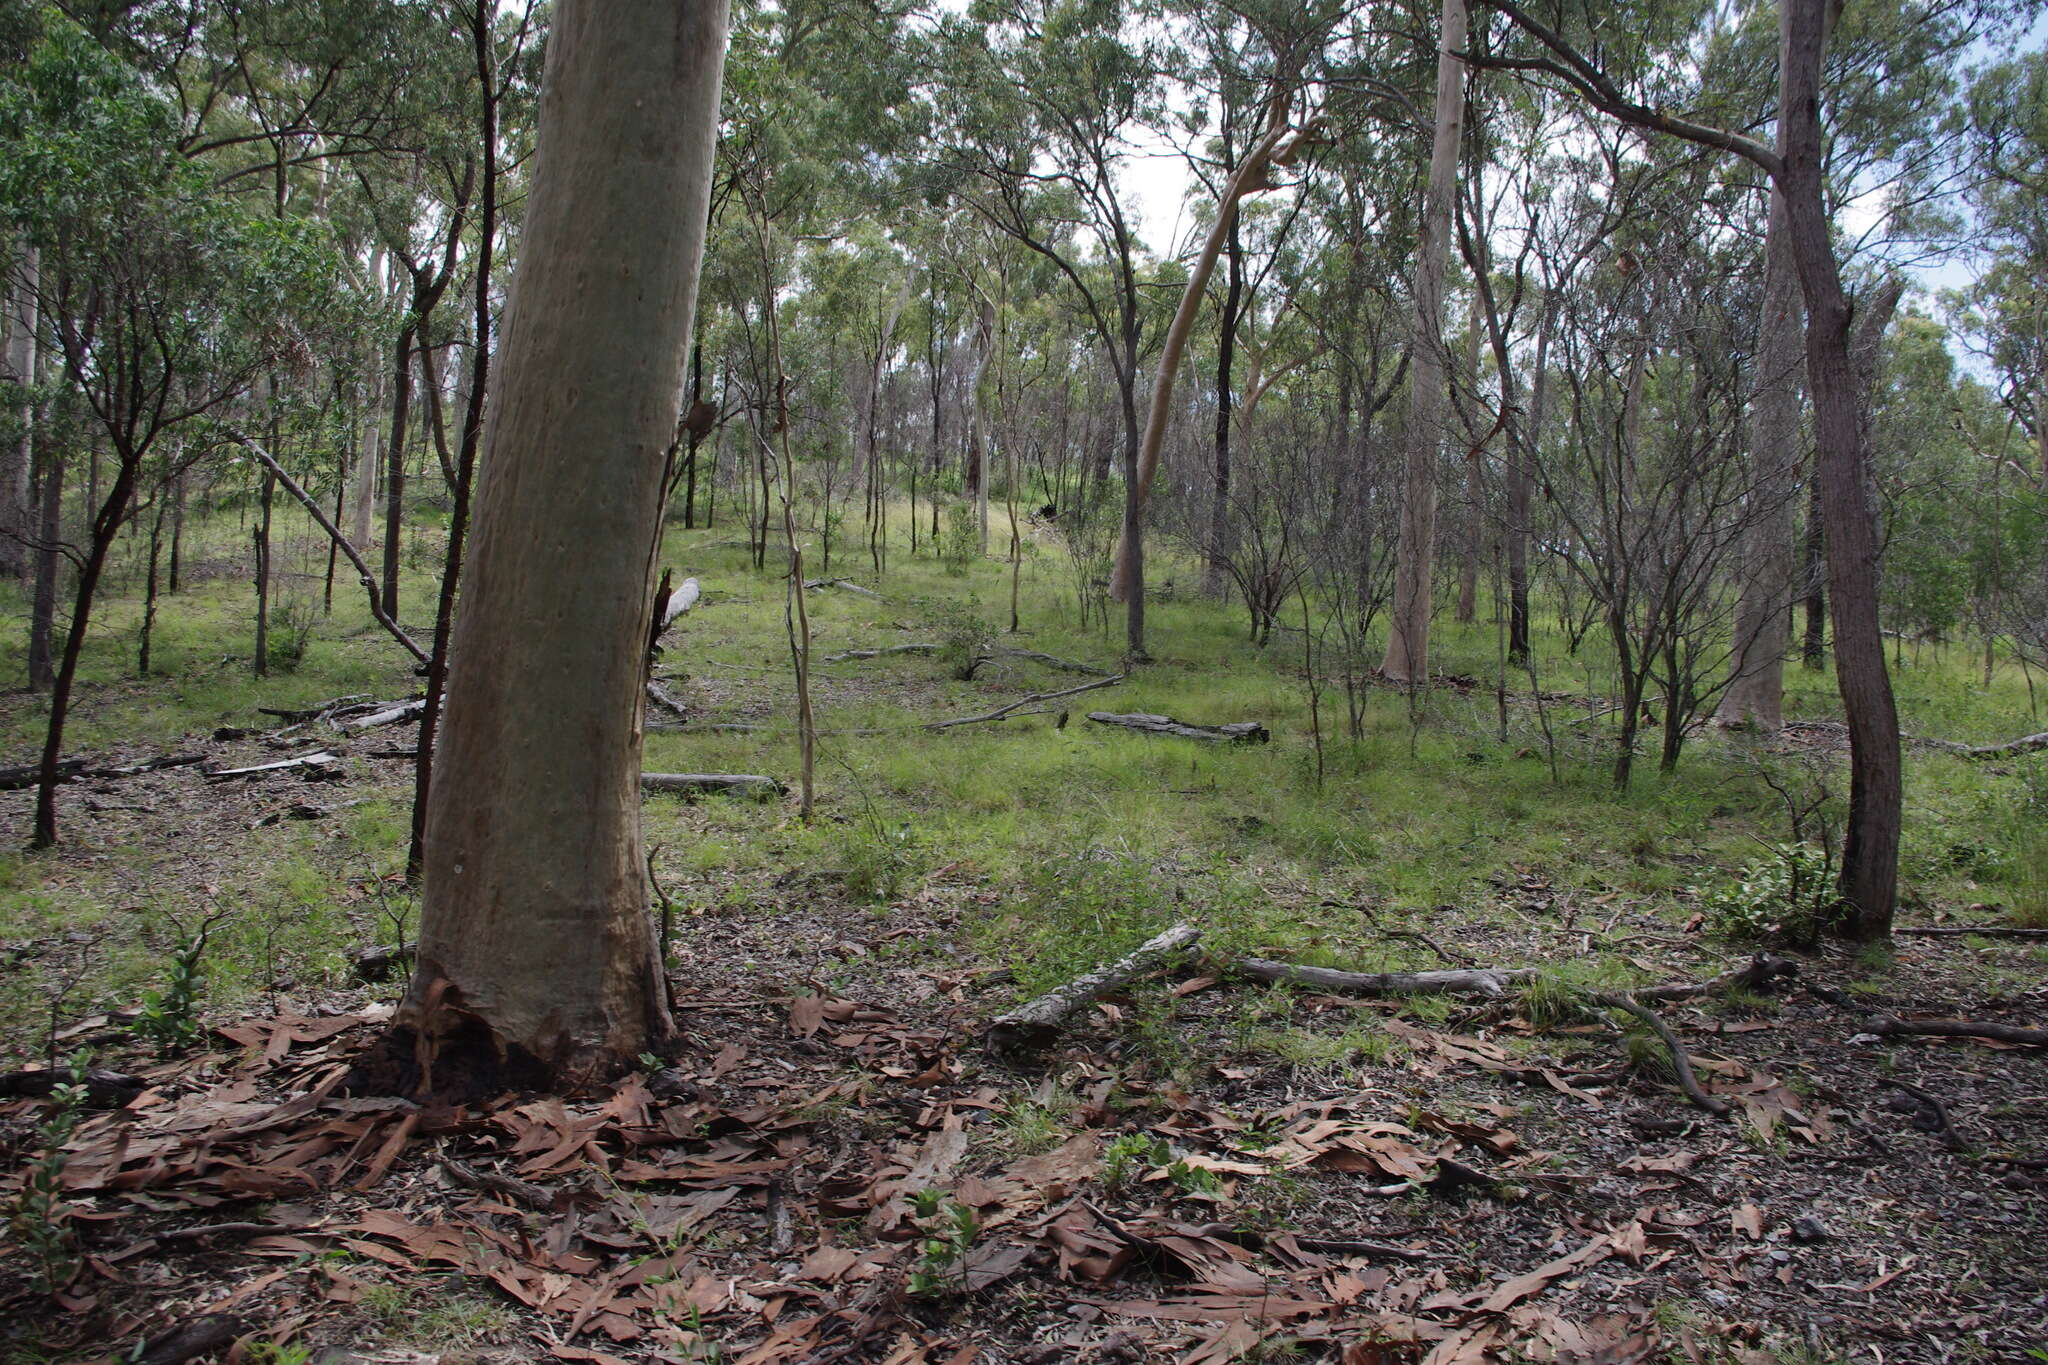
[[40, 1219], [1788, 897], [942, 1256], [169, 1018], [962, 545]]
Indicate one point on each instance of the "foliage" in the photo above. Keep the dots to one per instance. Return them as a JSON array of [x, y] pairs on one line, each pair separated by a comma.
[[40, 1218], [169, 1016], [952, 1226], [1788, 897]]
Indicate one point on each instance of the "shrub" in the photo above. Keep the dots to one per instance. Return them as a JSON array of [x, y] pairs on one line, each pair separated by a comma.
[[1788, 897]]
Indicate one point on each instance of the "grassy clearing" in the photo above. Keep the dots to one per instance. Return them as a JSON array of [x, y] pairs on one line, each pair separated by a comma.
[[1064, 845]]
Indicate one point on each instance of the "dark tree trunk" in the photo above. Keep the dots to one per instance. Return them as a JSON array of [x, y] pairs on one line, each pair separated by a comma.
[[1226, 354]]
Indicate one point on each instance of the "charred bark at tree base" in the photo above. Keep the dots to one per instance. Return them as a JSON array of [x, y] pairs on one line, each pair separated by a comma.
[[464, 1066]]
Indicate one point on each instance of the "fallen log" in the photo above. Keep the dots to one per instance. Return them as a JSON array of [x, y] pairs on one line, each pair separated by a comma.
[[681, 600], [390, 715], [75, 770], [1039, 1021], [882, 652], [667, 701], [1003, 712], [1239, 732], [203, 1336], [320, 764], [738, 784], [1487, 981], [1054, 661], [1891, 1026], [1967, 931], [820, 584], [103, 1088], [2025, 745], [1756, 974], [378, 964]]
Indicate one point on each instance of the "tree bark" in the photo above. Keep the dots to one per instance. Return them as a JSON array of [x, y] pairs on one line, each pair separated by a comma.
[[1407, 656], [1840, 380], [1127, 578], [536, 958], [1218, 549], [16, 513], [1756, 690]]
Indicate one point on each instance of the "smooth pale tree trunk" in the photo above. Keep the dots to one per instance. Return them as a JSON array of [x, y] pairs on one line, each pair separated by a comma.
[[1763, 624], [1127, 578], [366, 462], [1840, 359], [976, 476], [49, 569], [1473, 542], [17, 516], [1407, 656], [536, 961]]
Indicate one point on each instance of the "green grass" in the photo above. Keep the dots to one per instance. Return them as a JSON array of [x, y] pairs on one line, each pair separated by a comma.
[[1063, 846]]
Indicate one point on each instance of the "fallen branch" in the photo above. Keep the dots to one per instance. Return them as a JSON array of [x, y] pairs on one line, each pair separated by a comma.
[[322, 763], [1967, 931], [1950, 1137], [377, 964], [1039, 1021], [1003, 712], [391, 715], [661, 697], [106, 1089], [519, 1191], [1755, 974], [1054, 661], [820, 584], [206, 1235], [1891, 1026], [203, 1336], [1240, 732], [1487, 981], [1681, 1061], [363, 574], [881, 652], [75, 769], [741, 784], [2025, 745]]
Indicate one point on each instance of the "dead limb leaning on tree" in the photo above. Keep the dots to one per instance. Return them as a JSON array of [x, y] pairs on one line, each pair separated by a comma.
[[1039, 1021], [368, 579]]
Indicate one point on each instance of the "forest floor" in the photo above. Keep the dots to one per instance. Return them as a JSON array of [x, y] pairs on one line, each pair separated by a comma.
[[1203, 1169]]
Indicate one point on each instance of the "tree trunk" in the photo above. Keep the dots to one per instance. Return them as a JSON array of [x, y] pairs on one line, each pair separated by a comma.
[[1523, 454], [49, 568], [16, 513], [1226, 354], [394, 465], [1813, 648], [536, 961], [106, 525], [262, 539], [1756, 690], [1407, 656], [1840, 380]]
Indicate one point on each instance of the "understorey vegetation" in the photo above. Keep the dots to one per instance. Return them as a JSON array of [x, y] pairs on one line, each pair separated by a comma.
[[705, 681]]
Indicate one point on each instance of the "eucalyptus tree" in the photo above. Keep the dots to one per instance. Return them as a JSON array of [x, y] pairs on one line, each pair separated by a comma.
[[1407, 656], [1036, 105], [165, 300], [1840, 340], [536, 959]]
